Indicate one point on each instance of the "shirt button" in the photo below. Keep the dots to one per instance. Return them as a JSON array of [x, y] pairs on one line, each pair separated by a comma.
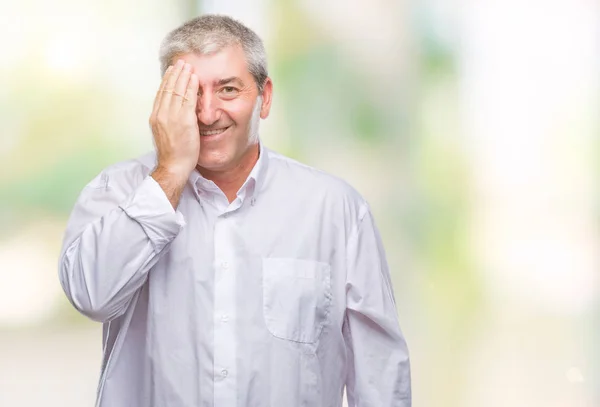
[[224, 373], [225, 265], [224, 317], [253, 201]]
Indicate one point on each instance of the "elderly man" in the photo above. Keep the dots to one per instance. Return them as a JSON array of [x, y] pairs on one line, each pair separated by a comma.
[[225, 274]]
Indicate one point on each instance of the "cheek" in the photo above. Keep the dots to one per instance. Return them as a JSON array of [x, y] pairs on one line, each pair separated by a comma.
[[239, 111]]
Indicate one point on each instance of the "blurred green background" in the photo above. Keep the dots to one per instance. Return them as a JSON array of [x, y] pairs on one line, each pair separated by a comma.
[[471, 128]]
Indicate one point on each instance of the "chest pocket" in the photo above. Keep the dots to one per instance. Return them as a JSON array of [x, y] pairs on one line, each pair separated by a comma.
[[296, 298]]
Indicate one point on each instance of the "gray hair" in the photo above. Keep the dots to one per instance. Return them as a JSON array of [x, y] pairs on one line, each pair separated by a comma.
[[211, 33]]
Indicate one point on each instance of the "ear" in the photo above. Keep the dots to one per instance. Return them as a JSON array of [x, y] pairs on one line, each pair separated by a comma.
[[266, 98]]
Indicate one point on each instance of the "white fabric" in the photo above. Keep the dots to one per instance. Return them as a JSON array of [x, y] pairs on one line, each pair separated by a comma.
[[278, 299]]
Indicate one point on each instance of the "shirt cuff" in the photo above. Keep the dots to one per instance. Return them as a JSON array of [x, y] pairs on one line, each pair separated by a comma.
[[150, 207]]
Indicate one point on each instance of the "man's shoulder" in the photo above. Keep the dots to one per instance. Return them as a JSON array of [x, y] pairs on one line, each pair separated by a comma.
[[313, 180], [126, 173]]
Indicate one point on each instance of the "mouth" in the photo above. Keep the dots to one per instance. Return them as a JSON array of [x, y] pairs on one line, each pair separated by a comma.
[[214, 132]]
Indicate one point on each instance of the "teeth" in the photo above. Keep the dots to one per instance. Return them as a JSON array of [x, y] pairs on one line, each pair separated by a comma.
[[212, 132]]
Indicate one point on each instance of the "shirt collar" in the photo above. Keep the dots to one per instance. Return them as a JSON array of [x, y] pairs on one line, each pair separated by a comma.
[[251, 186]]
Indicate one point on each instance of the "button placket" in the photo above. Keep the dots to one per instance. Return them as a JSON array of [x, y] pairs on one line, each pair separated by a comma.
[[225, 264]]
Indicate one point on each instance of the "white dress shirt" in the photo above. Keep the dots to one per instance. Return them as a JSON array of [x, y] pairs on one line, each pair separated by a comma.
[[278, 299]]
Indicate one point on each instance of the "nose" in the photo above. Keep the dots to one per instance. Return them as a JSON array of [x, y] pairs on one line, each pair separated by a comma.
[[208, 109]]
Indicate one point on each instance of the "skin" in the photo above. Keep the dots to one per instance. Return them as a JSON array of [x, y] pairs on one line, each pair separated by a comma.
[[198, 94]]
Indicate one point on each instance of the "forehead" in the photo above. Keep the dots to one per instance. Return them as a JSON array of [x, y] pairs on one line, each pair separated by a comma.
[[226, 63]]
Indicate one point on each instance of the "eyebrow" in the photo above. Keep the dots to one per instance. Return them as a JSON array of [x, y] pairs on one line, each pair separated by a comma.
[[225, 81]]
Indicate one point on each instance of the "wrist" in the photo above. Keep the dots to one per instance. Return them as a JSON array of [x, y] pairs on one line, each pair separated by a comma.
[[176, 174]]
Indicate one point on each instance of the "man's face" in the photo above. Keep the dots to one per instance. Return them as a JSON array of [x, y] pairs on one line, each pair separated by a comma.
[[228, 108]]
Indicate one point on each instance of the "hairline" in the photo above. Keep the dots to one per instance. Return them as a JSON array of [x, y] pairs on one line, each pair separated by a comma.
[[214, 47]]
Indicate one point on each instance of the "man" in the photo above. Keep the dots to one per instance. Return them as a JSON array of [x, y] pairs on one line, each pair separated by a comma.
[[225, 274]]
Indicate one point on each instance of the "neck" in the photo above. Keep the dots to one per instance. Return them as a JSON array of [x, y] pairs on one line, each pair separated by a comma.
[[231, 180]]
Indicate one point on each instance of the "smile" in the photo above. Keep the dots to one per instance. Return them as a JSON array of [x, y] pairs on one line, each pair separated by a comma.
[[213, 132]]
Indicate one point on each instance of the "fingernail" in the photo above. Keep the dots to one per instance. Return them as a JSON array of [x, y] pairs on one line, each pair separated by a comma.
[[180, 62], [187, 67]]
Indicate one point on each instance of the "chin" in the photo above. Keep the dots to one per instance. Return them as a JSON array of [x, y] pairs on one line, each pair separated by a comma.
[[215, 160], [222, 158]]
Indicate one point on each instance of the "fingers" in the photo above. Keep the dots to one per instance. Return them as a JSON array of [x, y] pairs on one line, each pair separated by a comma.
[[180, 88], [167, 92], [191, 93], [160, 92]]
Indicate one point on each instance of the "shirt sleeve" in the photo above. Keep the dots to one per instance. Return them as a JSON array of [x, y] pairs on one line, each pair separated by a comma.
[[112, 241], [378, 373]]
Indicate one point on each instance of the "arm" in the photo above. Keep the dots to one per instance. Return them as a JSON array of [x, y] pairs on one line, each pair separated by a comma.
[[111, 242], [378, 372], [113, 239]]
